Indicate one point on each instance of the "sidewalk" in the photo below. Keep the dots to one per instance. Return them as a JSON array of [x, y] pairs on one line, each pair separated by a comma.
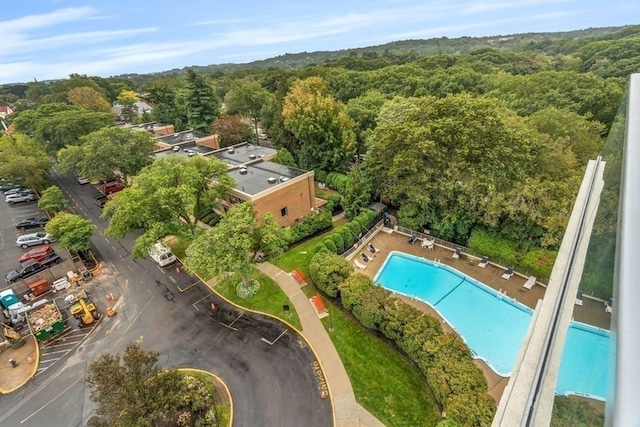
[[347, 412]]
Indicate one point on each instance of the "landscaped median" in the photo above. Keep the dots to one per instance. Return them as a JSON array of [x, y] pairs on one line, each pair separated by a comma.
[[217, 388]]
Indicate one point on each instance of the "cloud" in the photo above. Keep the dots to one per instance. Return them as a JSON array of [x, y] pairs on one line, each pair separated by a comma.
[[32, 22], [491, 6]]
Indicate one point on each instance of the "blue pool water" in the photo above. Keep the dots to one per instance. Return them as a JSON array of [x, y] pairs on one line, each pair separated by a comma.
[[494, 326]]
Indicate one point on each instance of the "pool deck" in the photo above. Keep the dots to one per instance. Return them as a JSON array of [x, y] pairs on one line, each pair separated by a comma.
[[592, 311]]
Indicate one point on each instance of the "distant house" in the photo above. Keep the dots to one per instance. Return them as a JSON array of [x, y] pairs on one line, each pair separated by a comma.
[[5, 110], [141, 107]]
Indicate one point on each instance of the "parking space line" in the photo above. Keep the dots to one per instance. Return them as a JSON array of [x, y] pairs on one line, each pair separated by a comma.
[[276, 340], [194, 304], [52, 400], [187, 288]]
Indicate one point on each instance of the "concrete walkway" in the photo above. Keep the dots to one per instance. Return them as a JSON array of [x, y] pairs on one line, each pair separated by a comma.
[[347, 412]]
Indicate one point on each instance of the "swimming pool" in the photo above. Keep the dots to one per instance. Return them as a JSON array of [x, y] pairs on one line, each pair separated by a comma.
[[492, 325]]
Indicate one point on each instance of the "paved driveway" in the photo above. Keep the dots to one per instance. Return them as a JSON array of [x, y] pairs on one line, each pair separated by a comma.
[[271, 385]]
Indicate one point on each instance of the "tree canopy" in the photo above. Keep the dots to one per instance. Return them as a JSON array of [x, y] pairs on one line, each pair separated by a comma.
[[202, 103], [71, 231], [166, 198], [89, 99], [247, 99], [52, 200], [22, 158]]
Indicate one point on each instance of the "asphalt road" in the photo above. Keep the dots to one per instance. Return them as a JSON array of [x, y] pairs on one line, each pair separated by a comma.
[[271, 385]]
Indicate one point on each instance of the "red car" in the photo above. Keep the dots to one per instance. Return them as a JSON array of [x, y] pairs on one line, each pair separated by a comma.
[[112, 187], [36, 254]]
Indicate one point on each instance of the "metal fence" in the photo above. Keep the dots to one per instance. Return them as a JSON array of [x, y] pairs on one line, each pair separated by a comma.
[[467, 251], [356, 246]]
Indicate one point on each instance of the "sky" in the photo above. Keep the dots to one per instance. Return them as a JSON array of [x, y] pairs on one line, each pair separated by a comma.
[[50, 39]]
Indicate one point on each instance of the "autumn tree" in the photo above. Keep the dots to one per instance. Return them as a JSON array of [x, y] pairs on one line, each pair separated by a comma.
[[321, 124], [109, 149], [52, 200], [202, 103], [23, 158], [89, 99], [230, 129], [127, 100], [248, 100], [214, 252], [167, 198], [71, 231]]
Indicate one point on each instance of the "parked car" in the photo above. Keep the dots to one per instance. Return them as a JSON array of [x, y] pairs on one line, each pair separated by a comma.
[[108, 179], [100, 200], [33, 239], [82, 180], [32, 223], [36, 253], [14, 190], [112, 187], [31, 267], [20, 197]]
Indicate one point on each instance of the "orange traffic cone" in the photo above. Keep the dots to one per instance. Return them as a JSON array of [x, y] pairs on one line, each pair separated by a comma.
[[108, 297], [30, 359], [110, 312], [113, 297], [324, 394], [177, 269], [213, 306]]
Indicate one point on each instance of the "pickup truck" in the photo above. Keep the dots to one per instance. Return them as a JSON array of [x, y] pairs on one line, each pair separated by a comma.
[[31, 267]]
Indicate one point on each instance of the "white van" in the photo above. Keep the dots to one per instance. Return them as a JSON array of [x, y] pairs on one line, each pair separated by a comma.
[[162, 255]]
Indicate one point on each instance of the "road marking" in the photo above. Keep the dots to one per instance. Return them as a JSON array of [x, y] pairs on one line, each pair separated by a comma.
[[126, 282], [112, 247], [276, 340], [185, 289], [129, 267], [194, 304], [172, 279], [107, 240], [52, 400]]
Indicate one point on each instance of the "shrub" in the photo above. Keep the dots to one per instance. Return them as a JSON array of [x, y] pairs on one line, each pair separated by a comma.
[[328, 271], [539, 262], [246, 292], [321, 176], [310, 226], [337, 239], [337, 181], [329, 244], [333, 202], [354, 227], [348, 237]]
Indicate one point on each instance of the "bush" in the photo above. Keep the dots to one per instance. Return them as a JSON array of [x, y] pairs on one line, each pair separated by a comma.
[[337, 181], [321, 176], [310, 226], [328, 271], [539, 262], [246, 292], [354, 227], [334, 201], [329, 244], [347, 236], [458, 385], [337, 239]]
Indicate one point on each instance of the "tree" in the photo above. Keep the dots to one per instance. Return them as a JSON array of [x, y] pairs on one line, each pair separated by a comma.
[[231, 130], [162, 93], [364, 110], [132, 389], [127, 99], [328, 271], [22, 158], [357, 192], [284, 157], [71, 231], [248, 99], [167, 198], [89, 99], [214, 252], [52, 200], [202, 103], [322, 126], [107, 150]]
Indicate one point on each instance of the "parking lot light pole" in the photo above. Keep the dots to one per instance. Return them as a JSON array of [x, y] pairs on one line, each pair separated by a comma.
[[330, 320]]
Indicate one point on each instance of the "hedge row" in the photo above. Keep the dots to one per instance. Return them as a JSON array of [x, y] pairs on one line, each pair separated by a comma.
[[458, 385], [311, 225], [336, 180], [341, 239], [537, 262]]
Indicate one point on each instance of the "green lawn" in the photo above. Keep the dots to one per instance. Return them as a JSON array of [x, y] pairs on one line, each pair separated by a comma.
[[269, 299], [386, 383], [300, 255]]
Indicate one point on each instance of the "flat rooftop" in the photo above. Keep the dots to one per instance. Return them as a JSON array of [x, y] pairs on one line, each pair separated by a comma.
[[178, 138], [240, 153], [258, 174], [184, 150]]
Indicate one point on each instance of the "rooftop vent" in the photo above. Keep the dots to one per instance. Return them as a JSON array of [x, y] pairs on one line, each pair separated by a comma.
[[243, 171], [271, 180], [231, 151], [252, 157]]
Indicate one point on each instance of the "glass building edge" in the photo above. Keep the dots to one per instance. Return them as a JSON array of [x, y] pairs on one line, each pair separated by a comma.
[[624, 366]]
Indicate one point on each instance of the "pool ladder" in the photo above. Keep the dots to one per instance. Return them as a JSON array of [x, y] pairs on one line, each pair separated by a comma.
[[501, 294]]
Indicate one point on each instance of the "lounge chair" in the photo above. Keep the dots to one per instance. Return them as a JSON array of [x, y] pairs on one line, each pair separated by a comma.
[[579, 298], [358, 264], [413, 238], [483, 262], [364, 257], [372, 248], [457, 253], [532, 281], [508, 273], [608, 305]]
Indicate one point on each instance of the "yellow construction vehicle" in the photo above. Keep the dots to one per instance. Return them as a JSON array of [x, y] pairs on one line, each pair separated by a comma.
[[85, 311]]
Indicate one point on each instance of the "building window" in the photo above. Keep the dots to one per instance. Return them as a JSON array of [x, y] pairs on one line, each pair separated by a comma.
[[284, 211]]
